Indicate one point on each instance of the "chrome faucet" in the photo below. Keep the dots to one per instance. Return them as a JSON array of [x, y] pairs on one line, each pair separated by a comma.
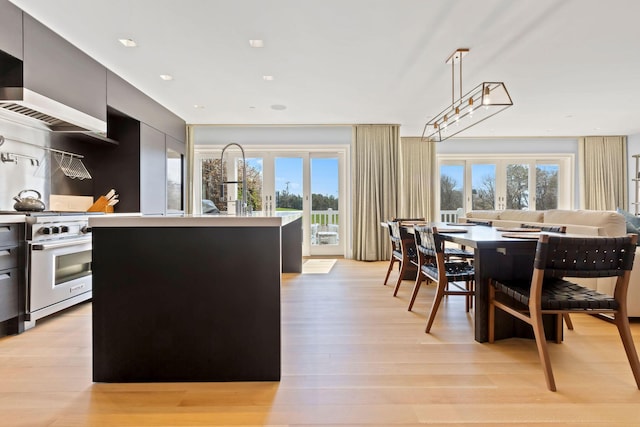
[[223, 183]]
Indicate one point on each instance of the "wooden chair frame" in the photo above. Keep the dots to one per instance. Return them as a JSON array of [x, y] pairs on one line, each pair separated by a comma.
[[402, 251], [430, 247], [558, 257]]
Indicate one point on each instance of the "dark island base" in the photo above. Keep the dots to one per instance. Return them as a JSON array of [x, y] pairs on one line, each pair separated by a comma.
[[186, 304]]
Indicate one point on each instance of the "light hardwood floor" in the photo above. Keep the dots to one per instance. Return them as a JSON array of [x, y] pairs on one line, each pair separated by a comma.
[[352, 356]]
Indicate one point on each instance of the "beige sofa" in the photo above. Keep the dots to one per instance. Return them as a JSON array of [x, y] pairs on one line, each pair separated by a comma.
[[592, 223]]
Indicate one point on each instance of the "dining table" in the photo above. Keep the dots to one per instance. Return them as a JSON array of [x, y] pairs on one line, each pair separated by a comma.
[[499, 253]]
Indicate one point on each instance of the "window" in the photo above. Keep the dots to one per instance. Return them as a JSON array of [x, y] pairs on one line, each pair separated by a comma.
[[529, 183]]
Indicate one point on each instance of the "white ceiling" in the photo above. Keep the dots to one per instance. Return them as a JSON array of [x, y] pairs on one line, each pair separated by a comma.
[[572, 67]]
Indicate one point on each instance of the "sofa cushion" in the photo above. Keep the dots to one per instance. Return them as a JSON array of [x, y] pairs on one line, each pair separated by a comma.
[[610, 223], [522, 216]]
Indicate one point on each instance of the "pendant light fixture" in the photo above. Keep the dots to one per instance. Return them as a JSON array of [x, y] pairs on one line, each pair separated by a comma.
[[483, 101]]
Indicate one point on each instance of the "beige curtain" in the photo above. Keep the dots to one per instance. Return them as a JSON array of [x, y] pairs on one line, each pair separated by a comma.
[[375, 183], [603, 172], [417, 161]]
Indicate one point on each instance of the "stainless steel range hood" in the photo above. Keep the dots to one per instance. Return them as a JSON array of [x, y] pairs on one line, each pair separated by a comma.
[[20, 104], [34, 109]]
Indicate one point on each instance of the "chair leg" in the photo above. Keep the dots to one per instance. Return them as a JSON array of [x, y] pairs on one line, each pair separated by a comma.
[[541, 343], [391, 263], [567, 320], [416, 288], [492, 313], [559, 325], [434, 306], [403, 268], [622, 322]]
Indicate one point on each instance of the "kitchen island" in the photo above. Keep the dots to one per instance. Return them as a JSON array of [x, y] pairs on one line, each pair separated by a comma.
[[190, 298]]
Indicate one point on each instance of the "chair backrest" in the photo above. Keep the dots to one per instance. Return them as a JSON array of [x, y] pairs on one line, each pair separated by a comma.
[[394, 234], [549, 228], [486, 222], [400, 238], [561, 256], [409, 219]]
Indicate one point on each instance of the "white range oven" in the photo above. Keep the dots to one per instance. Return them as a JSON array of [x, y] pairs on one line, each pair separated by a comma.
[[58, 258]]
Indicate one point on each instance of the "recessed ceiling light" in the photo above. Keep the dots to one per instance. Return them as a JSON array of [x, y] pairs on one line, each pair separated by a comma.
[[128, 42], [278, 107], [267, 78], [256, 43], [198, 106], [251, 107], [166, 77]]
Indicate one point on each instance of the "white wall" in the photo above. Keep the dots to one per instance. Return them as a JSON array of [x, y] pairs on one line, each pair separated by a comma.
[[272, 135], [633, 147]]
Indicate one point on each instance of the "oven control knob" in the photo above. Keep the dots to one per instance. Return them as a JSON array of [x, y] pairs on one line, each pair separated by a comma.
[[55, 230], [64, 229], [45, 230], [86, 229]]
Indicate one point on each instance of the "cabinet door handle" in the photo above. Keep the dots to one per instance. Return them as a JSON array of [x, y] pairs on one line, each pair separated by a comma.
[[5, 229], [5, 276], [5, 252]]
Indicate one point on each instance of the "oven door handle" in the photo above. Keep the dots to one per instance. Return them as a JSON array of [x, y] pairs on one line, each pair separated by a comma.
[[45, 246]]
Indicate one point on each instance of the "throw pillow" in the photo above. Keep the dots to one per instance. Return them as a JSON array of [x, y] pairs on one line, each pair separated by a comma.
[[632, 221]]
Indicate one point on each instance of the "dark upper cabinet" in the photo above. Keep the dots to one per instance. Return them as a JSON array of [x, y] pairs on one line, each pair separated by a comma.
[[124, 97], [152, 171], [10, 29], [55, 68]]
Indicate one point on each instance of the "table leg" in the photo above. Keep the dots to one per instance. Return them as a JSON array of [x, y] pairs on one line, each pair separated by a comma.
[[503, 263]]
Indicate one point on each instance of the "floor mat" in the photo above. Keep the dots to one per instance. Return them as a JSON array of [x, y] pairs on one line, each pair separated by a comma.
[[318, 266]]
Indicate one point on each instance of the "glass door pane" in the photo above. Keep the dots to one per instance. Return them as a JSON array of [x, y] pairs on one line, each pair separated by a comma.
[[325, 225], [210, 170], [546, 186], [451, 191], [288, 183], [175, 184], [483, 186], [517, 186], [255, 180]]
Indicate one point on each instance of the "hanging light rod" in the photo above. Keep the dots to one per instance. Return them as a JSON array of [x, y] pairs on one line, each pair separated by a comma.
[[485, 100]]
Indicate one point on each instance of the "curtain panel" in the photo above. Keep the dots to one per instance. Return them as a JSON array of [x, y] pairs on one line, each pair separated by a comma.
[[375, 186], [603, 172], [418, 178]]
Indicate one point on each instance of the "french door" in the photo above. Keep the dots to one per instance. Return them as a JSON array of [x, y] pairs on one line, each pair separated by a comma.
[[279, 180]]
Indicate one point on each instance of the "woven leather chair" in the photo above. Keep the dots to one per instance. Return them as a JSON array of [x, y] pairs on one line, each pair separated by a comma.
[[548, 228], [484, 222], [403, 251], [553, 229], [559, 257], [432, 266]]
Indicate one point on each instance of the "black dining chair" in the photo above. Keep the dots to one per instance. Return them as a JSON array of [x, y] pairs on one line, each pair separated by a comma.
[[483, 222], [403, 252], [446, 275], [548, 228], [548, 292], [553, 229]]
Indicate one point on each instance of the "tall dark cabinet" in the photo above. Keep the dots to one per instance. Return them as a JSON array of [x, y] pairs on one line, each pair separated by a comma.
[[137, 167]]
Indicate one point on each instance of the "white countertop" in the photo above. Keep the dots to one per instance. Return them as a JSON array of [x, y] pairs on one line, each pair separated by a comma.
[[12, 219], [254, 219]]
